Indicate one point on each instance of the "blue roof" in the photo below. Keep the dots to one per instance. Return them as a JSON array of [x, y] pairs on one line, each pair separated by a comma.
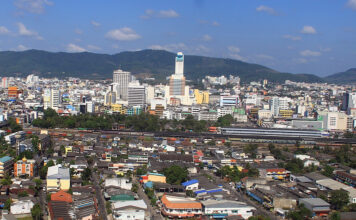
[[190, 182], [148, 185], [155, 174], [5, 159]]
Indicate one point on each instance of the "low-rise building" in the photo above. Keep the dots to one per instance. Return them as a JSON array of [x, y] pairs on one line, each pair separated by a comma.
[[180, 207], [316, 205], [25, 167], [58, 178], [226, 208], [6, 165], [135, 209]]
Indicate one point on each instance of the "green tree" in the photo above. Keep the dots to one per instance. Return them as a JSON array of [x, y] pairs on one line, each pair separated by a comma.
[[225, 121], [22, 194], [7, 204], [328, 171], [134, 188], [176, 174], [339, 198], [335, 216], [35, 143]]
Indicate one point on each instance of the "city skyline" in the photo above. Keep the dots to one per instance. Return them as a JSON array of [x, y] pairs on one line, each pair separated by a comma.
[[297, 37]]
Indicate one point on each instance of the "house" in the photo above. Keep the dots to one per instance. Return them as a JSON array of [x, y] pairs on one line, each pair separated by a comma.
[[44, 141], [25, 145], [153, 177], [226, 208], [191, 184], [274, 173], [22, 208], [61, 196], [180, 207], [122, 183], [316, 205], [129, 210], [6, 165], [60, 210], [58, 178], [85, 207], [25, 167]]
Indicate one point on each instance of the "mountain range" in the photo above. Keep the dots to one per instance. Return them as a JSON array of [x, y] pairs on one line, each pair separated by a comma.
[[145, 63]]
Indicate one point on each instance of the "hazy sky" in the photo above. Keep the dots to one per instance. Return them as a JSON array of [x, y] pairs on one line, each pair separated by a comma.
[[298, 36]]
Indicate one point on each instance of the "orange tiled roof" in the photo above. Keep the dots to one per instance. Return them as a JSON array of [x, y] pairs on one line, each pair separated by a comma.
[[180, 205]]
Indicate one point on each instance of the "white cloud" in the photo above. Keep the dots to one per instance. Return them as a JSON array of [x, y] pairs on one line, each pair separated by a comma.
[[207, 37], [168, 14], [352, 4], [149, 13], [93, 47], [269, 10], [169, 47], [78, 31], [32, 6], [238, 57], [123, 34], [21, 48], [325, 49], [291, 37], [265, 57], [233, 49], [4, 30], [300, 60], [73, 48], [310, 53], [95, 23], [234, 53], [214, 23], [23, 31], [308, 30], [202, 49]]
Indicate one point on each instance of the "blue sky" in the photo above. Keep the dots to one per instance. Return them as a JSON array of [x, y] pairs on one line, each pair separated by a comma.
[[298, 36]]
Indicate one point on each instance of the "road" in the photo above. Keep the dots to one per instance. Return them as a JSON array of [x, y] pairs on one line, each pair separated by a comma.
[[99, 196], [260, 210], [152, 214]]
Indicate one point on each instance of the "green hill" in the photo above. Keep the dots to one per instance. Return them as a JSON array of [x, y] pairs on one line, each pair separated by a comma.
[[153, 63], [349, 76]]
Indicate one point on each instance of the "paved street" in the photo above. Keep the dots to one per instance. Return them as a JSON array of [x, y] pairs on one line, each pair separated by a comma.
[[242, 197], [99, 196], [142, 195]]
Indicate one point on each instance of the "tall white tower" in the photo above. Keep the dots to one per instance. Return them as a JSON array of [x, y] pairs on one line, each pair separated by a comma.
[[179, 64], [122, 79]]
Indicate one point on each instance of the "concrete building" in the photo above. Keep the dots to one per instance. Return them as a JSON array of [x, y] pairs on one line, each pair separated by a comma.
[[180, 207], [58, 178], [6, 166], [136, 94], [226, 208], [316, 205], [122, 79], [25, 167], [55, 98], [134, 210], [177, 80]]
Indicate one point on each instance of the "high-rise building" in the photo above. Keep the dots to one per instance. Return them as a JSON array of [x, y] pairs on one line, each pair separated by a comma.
[[46, 98], [55, 98], [352, 101], [122, 79], [345, 101], [4, 82], [177, 80], [110, 96], [136, 94]]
